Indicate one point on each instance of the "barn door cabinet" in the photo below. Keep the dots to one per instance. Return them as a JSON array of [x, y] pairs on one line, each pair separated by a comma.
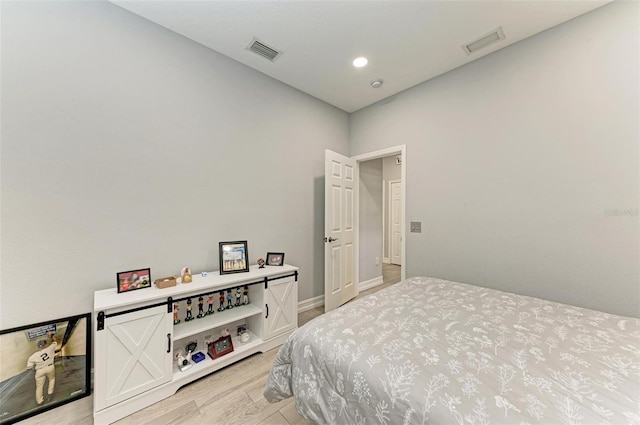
[[136, 341]]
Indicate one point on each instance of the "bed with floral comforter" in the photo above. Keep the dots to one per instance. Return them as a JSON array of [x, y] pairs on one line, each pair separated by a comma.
[[430, 351]]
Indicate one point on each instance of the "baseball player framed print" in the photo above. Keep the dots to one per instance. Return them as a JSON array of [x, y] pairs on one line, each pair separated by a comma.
[[44, 365]]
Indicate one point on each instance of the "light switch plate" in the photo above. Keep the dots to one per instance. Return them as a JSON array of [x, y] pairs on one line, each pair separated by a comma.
[[416, 227]]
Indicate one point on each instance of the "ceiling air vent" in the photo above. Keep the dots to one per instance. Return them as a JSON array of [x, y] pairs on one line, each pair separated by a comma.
[[263, 50], [484, 41]]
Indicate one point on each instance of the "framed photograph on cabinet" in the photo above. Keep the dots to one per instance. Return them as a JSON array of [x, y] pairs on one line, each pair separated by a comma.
[[133, 279], [44, 365], [234, 257], [220, 347], [275, 258]]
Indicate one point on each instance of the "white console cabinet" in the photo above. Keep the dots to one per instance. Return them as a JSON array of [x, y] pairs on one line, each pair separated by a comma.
[[136, 341]]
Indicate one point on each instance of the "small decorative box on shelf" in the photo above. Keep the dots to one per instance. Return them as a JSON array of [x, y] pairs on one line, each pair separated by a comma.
[[165, 282]]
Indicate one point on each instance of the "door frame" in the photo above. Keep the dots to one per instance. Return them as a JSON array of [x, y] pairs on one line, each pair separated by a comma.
[[394, 150], [388, 207]]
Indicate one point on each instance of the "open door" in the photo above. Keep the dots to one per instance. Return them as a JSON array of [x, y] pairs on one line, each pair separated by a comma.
[[340, 183]]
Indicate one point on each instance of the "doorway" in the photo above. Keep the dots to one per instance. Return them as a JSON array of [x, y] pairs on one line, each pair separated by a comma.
[[344, 252], [381, 207]]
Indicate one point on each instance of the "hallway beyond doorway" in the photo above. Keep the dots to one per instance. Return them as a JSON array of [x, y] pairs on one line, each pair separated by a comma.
[[391, 274]]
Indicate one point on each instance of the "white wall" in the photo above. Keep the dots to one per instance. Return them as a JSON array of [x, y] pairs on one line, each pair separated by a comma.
[[370, 217], [391, 170], [523, 165], [125, 146]]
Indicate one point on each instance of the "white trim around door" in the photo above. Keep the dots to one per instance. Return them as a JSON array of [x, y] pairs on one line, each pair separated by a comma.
[[393, 259], [396, 150]]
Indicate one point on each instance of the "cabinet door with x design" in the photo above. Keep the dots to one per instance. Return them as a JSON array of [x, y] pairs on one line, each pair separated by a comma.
[[281, 308], [136, 352]]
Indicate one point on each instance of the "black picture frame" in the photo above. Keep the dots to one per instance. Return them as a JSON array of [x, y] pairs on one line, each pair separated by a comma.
[[133, 279], [31, 345], [220, 347], [234, 257], [275, 258]]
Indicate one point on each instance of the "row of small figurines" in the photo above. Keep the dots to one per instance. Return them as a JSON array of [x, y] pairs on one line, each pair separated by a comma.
[[241, 298]]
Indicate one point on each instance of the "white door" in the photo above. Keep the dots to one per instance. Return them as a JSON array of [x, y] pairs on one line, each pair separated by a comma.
[[282, 307], [136, 351], [395, 217], [340, 183]]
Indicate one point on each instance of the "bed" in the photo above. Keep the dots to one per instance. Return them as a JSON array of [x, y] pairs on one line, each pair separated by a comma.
[[431, 351]]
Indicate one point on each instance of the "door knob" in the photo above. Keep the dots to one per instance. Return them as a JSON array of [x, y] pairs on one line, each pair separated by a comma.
[[330, 239]]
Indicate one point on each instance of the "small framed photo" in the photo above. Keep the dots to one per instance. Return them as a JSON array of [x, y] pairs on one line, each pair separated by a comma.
[[220, 347], [275, 258], [133, 279], [234, 257], [57, 358]]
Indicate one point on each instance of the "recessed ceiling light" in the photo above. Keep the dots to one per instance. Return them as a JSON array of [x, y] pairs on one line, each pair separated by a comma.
[[360, 62]]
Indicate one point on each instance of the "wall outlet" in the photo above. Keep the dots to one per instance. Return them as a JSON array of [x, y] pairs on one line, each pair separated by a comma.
[[416, 227], [377, 261]]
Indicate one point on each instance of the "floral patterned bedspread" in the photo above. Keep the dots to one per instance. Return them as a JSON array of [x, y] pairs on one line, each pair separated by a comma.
[[430, 351]]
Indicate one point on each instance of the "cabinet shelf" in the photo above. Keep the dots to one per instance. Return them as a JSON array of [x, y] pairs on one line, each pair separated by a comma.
[[208, 362], [217, 319]]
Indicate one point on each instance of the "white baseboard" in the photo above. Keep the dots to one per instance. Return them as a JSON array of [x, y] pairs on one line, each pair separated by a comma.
[[318, 301], [385, 260], [371, 283], [311, 303]]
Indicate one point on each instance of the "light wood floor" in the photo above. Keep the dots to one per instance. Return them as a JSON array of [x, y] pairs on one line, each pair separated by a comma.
[[231, 396]]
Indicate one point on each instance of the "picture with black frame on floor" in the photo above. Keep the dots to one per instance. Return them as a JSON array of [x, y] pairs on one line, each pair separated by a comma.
[[44, 365]]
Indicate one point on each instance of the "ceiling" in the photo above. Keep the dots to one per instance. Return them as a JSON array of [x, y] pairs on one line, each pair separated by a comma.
[[406, 42]]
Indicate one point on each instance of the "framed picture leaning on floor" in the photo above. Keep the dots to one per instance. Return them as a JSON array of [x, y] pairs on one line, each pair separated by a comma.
[[44, 365]]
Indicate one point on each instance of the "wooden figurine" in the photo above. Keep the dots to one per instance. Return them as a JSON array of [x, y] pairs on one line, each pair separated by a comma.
[[245, 296], [221, 307], [200, 307], [176, 320], [229, 299], [189, 315], [210, 302]]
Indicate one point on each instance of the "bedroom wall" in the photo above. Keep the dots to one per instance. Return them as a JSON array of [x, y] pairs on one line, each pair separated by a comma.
[[125, 145], [370, 216], [390, 169], [523, 165]]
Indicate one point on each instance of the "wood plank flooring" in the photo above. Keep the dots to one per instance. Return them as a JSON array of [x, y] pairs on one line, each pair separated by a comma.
[[231, 396]]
